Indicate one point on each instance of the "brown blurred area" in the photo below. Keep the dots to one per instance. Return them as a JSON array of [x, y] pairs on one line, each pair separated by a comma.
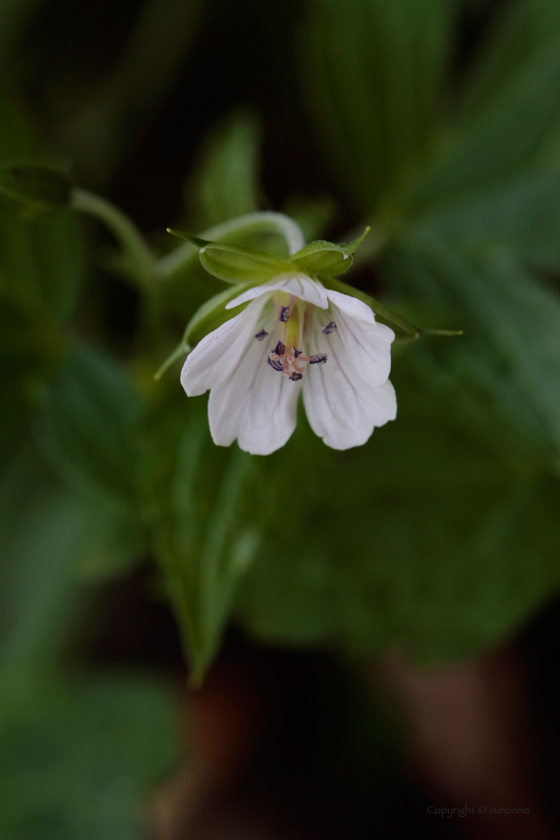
[[297, 744]]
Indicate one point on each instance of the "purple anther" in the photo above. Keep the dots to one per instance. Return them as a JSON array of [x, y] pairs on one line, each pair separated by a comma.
[[296, 352], [284, 314], [318, 359], [295, 377], [275, 364], [280, 349], [331, 327], [260, 335]]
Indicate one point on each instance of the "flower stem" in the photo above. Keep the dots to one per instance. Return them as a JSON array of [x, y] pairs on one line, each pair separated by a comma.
[[136, 258], [181, 350]]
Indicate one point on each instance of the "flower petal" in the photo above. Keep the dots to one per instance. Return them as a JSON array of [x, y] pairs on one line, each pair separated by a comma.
[[218, 353], [294, 283], [359, 344], [342, 408], [255, 404], [355, 308]]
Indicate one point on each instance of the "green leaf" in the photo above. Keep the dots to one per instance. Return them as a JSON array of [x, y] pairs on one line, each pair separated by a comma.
[[206, 526], [41, 259], [41, 268], [79, 757], [323, 257], [43, 525], [226, 182], [121, 540], [374, 78], [89, 414], [50, 536], [237, 263], [42, 262], [494, 143], [518, 33], [34, 185], [366, 566], [30, 347], [511, 349], [520, 215]]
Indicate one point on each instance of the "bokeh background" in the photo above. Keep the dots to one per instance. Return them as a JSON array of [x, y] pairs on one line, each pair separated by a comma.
[[377, 629]]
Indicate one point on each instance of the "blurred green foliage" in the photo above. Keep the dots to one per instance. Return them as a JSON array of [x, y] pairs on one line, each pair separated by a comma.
[[79, 751], [439, 536], [225, 180], [79, 755]]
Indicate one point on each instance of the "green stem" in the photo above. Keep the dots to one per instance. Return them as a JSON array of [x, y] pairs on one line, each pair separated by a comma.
[[138, 260], [181, 350]]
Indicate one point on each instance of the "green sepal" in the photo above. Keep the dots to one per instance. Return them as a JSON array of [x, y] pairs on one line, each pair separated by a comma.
[[35, 187], [430, 331], [207, 318], [236, 263], [180, 351], [327, 258], [194, 240], [212, 315], [403, 329], [322, 257]]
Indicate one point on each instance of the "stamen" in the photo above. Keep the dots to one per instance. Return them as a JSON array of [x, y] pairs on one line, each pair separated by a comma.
[[331, 327], [318, 359], [260, 335], [296, 352], [280, 349], [295, 377], [276, 365], [284, 314]]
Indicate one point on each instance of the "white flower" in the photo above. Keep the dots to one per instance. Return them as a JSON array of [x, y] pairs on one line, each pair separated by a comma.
[[294, 335]]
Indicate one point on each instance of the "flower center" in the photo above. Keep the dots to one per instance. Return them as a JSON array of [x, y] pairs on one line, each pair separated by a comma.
[[295, 317]]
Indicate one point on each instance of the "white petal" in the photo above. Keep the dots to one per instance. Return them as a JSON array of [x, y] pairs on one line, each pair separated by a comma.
[[218, 353], [364, 346], [294, 283], [256, 404], [356, 309], [341, 407]]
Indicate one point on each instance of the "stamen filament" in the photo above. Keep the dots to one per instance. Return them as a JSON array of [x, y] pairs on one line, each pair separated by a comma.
[[294, 320]]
